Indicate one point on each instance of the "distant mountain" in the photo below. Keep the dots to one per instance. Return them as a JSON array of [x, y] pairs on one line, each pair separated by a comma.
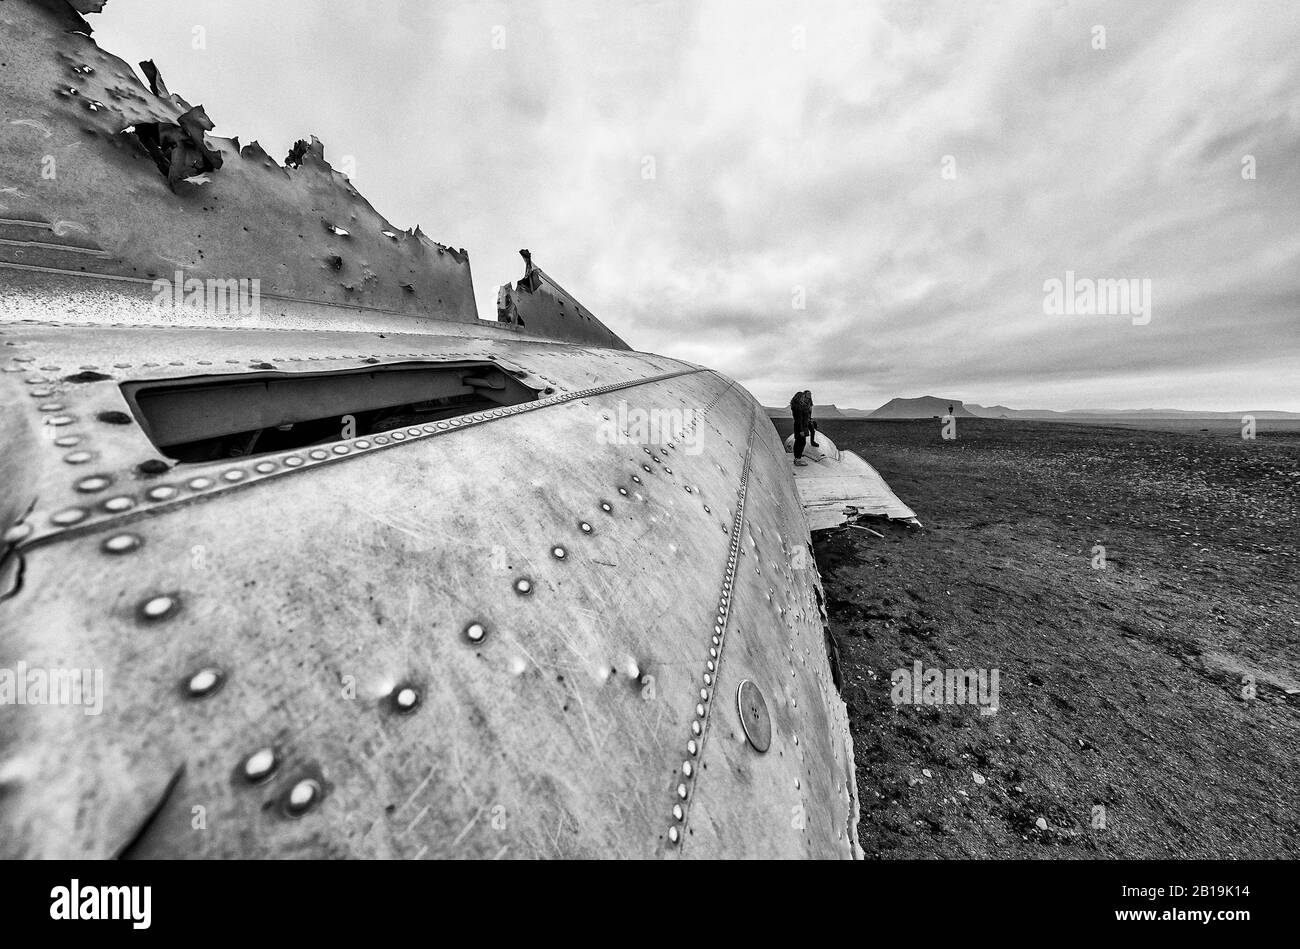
[[1002, 411], [927, 406], [819, 411]]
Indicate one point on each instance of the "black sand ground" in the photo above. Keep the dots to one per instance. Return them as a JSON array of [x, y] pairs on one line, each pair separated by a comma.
[[1122, 687]]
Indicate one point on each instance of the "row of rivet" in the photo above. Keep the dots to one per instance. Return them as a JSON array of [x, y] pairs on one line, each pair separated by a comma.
[[700, 723], [165, 493]]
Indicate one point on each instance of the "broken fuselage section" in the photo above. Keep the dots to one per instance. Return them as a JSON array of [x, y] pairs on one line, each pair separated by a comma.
[[361, 574]]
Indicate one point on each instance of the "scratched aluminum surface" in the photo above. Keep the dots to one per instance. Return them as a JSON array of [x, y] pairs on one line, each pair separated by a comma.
[[319, 592]]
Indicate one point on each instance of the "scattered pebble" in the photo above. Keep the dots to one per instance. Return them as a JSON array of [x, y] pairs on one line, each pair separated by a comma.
[[1041, 823], [979, 778]]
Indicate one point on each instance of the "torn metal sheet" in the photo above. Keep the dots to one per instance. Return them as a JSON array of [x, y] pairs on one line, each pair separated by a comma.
[[83, 139], [540, 305], [836, 487]]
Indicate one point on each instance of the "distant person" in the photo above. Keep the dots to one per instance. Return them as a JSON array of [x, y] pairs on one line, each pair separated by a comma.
[[950, 408], [801, 412]]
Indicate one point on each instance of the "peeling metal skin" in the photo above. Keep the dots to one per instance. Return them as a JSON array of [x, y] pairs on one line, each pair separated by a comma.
[[66, 155], [540, 305], [519, 631]]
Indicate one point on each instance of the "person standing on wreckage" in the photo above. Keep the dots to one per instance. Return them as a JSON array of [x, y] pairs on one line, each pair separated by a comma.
[[801, 412]]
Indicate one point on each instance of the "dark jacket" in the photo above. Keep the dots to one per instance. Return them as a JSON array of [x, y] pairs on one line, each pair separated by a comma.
[[801, 410]]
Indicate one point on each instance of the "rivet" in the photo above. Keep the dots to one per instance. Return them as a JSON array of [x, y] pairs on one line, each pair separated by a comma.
[[397, 436], [475, 632], [708, 679], [668, 470], [59, 420], [67, 441], [704, 695], [259, 765], [159, 607], [292, 461], [558, 553], [204, 682], [121, 544], [709, 665], [693, 747], [673, 835], [318, 454], [645, 467], [200, 484], [687, 768], [406, 699], [16, 533], [68, 516], [119, 504], [92, 484], [634, 478], [161, 493], [681, 791], [77, 457], [604, 506], [381, 439], [699, 710], [678, 813], [696, 729], [413, 431], [363, 444], [585, 527], [264, 467], [40, 393], [523, 586], [341, 449], [301, 797]]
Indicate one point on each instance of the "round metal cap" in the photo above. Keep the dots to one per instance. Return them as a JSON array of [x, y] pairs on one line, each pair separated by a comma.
[[754, 718]]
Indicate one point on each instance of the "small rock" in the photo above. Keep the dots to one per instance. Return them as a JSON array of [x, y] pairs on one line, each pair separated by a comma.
[[979, 778], [926, 772], [1041, 824]]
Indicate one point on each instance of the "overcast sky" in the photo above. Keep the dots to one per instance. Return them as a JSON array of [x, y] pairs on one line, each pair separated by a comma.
[[693, 171]]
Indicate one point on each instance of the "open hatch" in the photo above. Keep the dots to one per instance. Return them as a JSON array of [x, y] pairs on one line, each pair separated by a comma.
[[209, 418]]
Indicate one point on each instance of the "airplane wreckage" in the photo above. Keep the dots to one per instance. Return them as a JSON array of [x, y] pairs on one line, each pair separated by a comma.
[[301, 558]]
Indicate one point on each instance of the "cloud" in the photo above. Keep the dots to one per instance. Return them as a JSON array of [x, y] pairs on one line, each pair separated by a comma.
[[694, 170]]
